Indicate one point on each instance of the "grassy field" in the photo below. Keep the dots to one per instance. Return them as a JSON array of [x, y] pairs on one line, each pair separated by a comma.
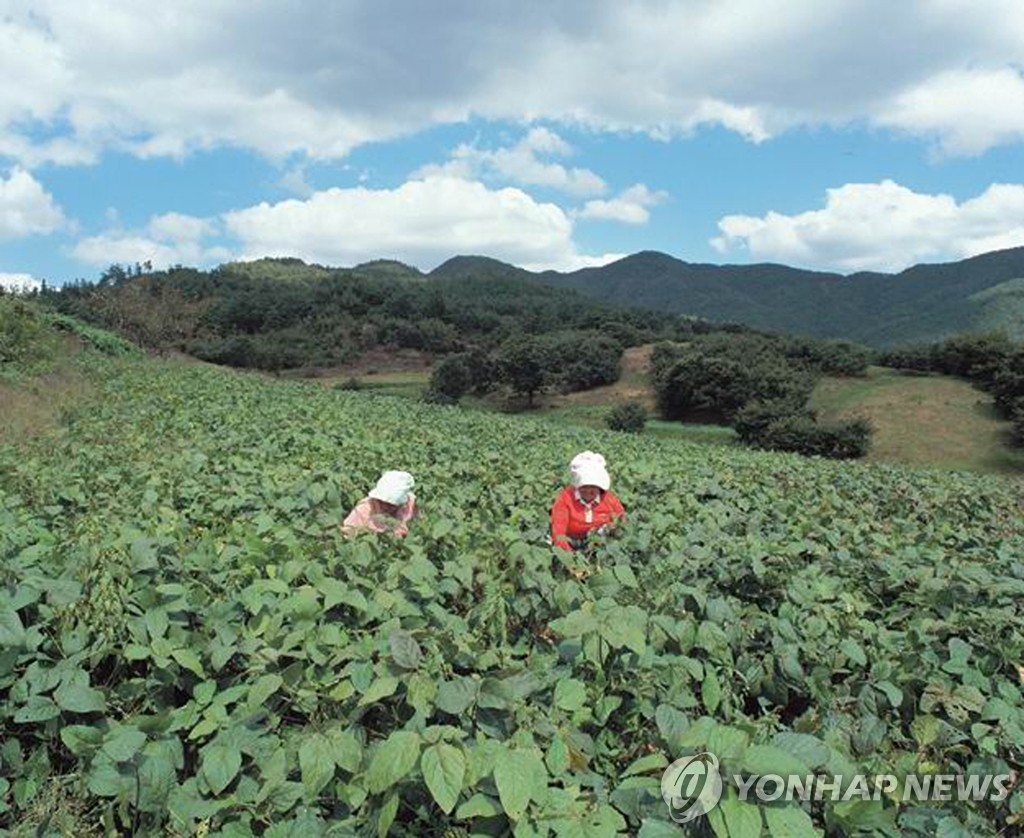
[[924, 420]]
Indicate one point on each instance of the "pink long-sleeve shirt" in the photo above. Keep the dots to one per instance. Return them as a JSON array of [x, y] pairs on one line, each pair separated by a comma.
[[362, 518]]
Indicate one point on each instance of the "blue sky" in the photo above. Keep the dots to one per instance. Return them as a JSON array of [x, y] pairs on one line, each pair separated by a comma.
[[848, 135]]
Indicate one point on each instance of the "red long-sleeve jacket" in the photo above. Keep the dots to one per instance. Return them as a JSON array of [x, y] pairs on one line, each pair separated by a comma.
[[572, 519]]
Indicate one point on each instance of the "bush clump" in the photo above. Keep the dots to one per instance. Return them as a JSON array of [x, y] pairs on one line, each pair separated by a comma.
[[803, 435], [629, 417]]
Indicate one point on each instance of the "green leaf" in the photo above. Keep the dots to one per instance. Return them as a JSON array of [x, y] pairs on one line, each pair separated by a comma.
[[106, 780], [335, 593], [37, 709], [741, 818], [519, 776], [157, 779], [478, 806], [123, 742], [75, 695], [12, 632], [386, 816], [405, 651], [393, 758], [81, 739], [381, 688], [455, 697], [659, 829], [264, 687], [892, 692], [570, 694], [188, 659], [316, 763], [557, 759], [221, 764], [346, 749], [790, 822], [444, 770], [925, 730], [810, 750], [852, 649], [645, 765], [156, 623], [711, 691], [672, 725], [767, 759], [728, 743]]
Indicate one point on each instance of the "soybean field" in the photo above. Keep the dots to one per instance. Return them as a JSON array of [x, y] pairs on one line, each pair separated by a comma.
[[188, 646]]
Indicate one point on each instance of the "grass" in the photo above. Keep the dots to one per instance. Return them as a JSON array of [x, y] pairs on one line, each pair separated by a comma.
[[36, 403], [923, 420]]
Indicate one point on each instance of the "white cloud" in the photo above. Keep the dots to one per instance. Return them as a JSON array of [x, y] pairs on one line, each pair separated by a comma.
[[19, 282], [967, 111], [422, 222], [26, 208], [522, 164], [881, 226], [321, 78], [629, 207], [169, 239]]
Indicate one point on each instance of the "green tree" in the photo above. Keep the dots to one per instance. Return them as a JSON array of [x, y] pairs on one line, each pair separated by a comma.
[[525, 366], [451, 377]]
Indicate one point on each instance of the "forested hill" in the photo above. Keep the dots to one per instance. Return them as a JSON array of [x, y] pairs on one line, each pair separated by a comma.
[[284, 313], [922, 303]]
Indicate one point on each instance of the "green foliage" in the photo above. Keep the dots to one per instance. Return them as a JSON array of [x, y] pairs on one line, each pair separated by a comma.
[[629, 417], [188, 645], [101, 340], [583, 360], [281, 313], [525, 364], [802, 434], [26, 340], [452, 377], [760, 384]]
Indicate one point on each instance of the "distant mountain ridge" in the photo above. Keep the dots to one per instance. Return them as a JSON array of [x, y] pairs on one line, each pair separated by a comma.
[[922, 303]]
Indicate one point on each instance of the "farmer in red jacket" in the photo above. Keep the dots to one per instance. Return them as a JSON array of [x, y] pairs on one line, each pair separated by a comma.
[[586, 505]]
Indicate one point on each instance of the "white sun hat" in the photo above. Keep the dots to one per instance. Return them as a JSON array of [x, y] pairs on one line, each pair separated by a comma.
[[588, 469], [393, 487]]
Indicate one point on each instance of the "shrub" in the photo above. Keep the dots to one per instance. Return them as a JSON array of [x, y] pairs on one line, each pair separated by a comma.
[[452, 377], [350, 383], [754, 418], [801, 434], [25, 337], [630, 417]]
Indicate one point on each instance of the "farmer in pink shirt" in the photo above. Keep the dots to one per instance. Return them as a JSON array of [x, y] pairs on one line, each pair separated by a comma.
[[388, 508]]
